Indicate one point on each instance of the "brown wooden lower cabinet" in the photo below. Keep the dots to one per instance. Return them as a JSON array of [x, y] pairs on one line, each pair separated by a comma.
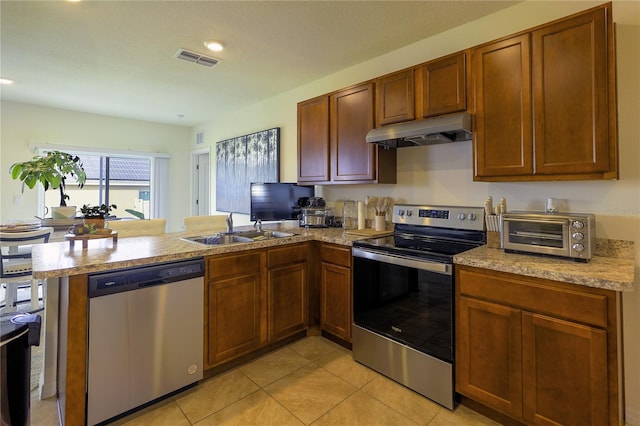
[[234, 308], [286, 291], [335, 290], [253, 299], [539, 351]]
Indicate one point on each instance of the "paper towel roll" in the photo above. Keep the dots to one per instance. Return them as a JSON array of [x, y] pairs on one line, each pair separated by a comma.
[[362, 214]]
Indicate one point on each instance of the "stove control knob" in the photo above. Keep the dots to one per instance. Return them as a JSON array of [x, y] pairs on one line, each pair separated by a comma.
[[577, 224], [401, 212], [578, 236], [578, 247], [471, 216], [409, 212], [462, 216]]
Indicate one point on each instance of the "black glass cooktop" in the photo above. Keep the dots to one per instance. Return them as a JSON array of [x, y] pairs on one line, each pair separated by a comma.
[[423, 242]]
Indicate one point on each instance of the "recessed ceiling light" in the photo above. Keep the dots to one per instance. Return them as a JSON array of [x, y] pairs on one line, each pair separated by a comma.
[[214, 45], [5, 81]]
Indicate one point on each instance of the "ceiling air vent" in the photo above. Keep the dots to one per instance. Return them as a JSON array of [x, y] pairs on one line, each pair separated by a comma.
[[197, 58]]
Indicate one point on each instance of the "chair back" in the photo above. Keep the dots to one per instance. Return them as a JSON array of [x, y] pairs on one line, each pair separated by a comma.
[[138, 227], [15, 250], [209, 224]]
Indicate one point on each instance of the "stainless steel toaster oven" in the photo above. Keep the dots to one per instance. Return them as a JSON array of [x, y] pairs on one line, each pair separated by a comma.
[[569, 235]]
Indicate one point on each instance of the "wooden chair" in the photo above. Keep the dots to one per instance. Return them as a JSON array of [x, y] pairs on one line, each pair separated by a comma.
[[15, 253], [138, 227], [208, 224]]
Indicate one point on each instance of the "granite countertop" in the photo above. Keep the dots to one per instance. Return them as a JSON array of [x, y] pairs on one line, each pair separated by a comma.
[[57, 259], [611, 268]]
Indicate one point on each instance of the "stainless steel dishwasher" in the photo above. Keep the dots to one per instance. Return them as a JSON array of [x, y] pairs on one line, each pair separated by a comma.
[[145, 336]]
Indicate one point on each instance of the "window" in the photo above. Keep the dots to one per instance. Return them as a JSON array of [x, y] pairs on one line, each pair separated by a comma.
[[132, 182]]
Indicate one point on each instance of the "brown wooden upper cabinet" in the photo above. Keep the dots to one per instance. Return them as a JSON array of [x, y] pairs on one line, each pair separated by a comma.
[[395, 95], [444, 85], [434, 88], [332, 146], [544, 102], [313, 140]]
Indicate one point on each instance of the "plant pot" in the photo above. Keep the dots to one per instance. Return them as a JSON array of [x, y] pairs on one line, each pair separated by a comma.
[[63, 212], [98, 222]]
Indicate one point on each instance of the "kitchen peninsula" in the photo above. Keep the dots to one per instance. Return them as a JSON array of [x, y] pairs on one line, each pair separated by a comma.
[[72, 266]]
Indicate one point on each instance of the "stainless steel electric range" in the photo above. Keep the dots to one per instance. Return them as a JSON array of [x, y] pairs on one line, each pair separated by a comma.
[[403, 296]]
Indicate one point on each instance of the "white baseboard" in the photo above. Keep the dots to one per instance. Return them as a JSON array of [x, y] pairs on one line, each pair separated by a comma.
[[48, 390]]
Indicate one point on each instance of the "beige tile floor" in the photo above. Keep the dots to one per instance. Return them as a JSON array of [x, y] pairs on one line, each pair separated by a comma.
[[310, 382]]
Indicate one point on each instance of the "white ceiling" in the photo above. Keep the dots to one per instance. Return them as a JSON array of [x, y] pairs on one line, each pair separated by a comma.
[[117, 57]]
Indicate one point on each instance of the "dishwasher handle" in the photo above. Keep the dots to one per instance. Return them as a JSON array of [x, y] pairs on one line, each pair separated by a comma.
[[102, 284]]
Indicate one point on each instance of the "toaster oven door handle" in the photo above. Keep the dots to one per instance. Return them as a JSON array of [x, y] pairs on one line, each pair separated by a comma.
[[425, 265], [529, 220], [541, 235]]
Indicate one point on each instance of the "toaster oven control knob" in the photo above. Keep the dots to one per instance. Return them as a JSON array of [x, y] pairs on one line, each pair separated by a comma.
[[578, 247], [471, 216], [578, 236], [461, 216], [577, 224]]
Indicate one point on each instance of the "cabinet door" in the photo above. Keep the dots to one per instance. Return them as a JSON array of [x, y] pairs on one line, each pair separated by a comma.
[[502, 134], [395, 98], [313, 140], [564, 372], [351, 118], [233, 325], [234, 306], [570, 95], [287, 301], [444, 87], [489, 354], [335, 300]]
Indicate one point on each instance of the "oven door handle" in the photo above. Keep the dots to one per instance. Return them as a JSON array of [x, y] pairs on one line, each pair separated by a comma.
[[425, 265]]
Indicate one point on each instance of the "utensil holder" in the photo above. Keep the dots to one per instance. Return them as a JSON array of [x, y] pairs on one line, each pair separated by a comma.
[[380, 223]]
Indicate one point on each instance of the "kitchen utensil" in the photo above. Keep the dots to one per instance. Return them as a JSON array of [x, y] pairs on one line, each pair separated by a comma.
[[488, 206]]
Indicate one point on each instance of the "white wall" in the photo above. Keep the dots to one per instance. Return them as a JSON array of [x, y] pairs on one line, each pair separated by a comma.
[[25, 125], [442, 174]]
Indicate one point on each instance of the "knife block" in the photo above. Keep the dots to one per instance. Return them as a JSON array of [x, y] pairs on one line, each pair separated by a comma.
[[493, 239]]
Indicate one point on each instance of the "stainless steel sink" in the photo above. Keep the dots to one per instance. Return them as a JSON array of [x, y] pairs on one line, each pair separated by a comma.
[[238, 237], [266, 234], [218, 239]]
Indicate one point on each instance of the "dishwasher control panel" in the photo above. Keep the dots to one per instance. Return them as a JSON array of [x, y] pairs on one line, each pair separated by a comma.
[[111, 282]]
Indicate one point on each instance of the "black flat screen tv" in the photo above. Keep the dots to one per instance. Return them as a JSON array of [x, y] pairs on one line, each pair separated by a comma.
[[278, 201]]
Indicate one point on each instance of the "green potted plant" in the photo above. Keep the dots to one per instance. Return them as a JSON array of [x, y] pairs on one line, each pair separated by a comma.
[[95, 215], [52, 170]]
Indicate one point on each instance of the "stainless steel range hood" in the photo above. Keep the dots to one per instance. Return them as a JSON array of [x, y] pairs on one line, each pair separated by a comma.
[[442, 129]]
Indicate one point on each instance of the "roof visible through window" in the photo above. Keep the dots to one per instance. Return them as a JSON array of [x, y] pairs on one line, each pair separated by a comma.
[[122, 168]]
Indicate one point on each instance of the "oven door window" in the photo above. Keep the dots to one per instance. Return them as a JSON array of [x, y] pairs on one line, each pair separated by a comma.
[[408, 305], [543, 234]]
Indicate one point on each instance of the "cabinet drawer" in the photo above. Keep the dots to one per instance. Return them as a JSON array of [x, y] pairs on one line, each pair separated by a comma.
[[534, 295], [336, 255], [286, 255], [234, 264]]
